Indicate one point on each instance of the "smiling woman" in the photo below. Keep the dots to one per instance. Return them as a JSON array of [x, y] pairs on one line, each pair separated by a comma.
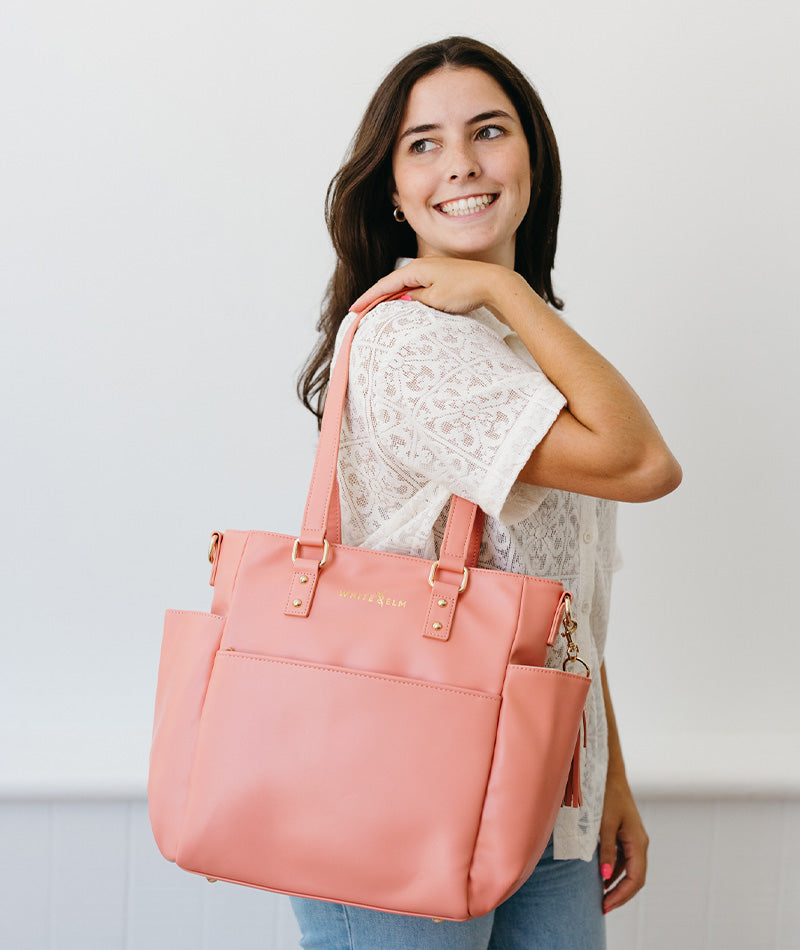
[[462, 178], [472, 385]]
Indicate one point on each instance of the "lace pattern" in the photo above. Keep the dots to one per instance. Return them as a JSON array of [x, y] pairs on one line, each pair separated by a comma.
[[440, 404]]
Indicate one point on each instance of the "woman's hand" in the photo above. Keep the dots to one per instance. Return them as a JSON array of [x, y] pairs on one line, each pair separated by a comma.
[[444, 283], [623, 840], [623, 845]]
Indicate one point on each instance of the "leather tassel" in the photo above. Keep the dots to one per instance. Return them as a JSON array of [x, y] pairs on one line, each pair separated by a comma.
[[572, 793]]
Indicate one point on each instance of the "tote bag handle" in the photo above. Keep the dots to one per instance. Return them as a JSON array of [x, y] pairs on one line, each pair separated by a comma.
[[462, 535]]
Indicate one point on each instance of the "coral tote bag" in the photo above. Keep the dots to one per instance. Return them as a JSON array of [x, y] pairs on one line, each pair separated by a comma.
[[364, 727]]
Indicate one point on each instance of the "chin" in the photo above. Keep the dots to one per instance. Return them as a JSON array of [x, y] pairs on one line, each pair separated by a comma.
[[471, 252]]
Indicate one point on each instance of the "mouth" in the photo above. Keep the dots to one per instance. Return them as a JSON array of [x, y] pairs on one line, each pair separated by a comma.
[[464, 206]]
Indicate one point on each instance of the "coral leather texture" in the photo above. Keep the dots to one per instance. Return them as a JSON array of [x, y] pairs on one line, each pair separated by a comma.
[[374, 729]]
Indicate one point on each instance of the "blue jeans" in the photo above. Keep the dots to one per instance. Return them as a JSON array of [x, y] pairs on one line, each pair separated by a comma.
[[560, 907]]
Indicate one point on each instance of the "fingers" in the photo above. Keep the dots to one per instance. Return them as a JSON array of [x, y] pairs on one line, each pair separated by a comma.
[[455, 286], [394, 283], [619, 865], [612, 857], [623, 846], [628, 875], [620, 894], [608, 852]]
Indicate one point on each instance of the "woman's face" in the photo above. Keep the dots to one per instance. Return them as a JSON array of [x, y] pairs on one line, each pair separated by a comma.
[[461, 167]]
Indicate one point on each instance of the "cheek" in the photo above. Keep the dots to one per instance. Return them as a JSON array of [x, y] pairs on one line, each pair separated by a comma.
[[516, 171], [519, 163], [401, 188], [412, 187], [526, 179]]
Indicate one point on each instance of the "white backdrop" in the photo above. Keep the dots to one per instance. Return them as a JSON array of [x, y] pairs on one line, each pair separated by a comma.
[[163, 167]]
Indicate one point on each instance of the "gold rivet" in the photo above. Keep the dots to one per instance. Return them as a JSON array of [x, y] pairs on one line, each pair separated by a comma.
[[436, 920], [211, 880], [303, 579], [437, 626], [297, 603], [442, 602]]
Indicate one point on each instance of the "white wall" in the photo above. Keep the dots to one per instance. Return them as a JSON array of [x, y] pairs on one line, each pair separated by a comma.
[[163, 172]]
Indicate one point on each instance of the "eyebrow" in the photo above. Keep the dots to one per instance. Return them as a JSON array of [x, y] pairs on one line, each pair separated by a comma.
[[481, 117]]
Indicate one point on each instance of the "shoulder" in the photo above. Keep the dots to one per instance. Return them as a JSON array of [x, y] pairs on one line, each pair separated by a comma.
[[399, 324], [398, 317]]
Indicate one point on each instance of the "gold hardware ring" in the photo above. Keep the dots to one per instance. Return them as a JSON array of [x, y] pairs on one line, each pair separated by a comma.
[[570, 626], [216, 537], [576, 659], [432, 576], [325, 549]]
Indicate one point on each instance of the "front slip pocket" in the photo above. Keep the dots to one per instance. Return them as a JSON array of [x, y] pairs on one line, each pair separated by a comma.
[[338, 783]]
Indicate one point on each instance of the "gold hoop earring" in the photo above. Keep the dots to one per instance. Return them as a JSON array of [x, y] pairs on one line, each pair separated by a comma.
[[398, 215]]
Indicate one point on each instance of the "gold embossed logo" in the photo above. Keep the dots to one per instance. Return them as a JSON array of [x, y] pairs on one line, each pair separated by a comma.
[[378, 598]]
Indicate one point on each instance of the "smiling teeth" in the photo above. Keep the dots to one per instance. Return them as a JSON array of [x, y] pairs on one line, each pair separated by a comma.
[[466, 205]]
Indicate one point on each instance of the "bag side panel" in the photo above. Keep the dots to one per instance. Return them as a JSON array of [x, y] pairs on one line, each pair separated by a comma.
[[539, 720], [537, 608], [225, 573], [339, 784], [191, 640]]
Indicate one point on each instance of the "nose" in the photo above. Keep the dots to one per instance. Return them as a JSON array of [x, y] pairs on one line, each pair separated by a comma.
[[463, 163]]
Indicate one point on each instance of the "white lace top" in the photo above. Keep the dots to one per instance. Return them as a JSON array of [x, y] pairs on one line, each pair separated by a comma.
[[440, 404]]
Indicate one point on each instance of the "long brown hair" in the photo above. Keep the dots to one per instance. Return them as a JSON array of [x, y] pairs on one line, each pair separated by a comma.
[[358, 206]]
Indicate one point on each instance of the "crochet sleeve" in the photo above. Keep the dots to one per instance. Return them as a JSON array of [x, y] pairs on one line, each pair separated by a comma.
[[444, 397]]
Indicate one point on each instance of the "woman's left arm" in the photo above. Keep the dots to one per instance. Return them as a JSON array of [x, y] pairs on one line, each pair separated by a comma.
[[623, 840]]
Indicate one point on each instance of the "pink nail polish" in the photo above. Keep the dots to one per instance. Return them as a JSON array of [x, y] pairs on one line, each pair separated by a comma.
[[605, 871], [406, 297]]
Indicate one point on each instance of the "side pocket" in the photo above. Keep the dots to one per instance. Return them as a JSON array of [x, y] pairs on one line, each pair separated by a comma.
[[191, 640], [539, 719]]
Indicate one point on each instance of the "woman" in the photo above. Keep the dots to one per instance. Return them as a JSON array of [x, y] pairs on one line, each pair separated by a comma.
[[472, 384]]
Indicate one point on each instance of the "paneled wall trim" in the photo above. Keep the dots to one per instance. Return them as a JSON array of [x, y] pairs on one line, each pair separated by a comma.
[[111, 762], [86, 875]]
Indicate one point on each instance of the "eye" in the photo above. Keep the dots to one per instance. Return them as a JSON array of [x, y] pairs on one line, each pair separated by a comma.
[[421, 146], [489, 132]]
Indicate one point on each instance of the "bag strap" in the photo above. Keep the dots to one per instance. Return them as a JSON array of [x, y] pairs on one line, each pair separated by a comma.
[[464, 522], [334, 533]]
